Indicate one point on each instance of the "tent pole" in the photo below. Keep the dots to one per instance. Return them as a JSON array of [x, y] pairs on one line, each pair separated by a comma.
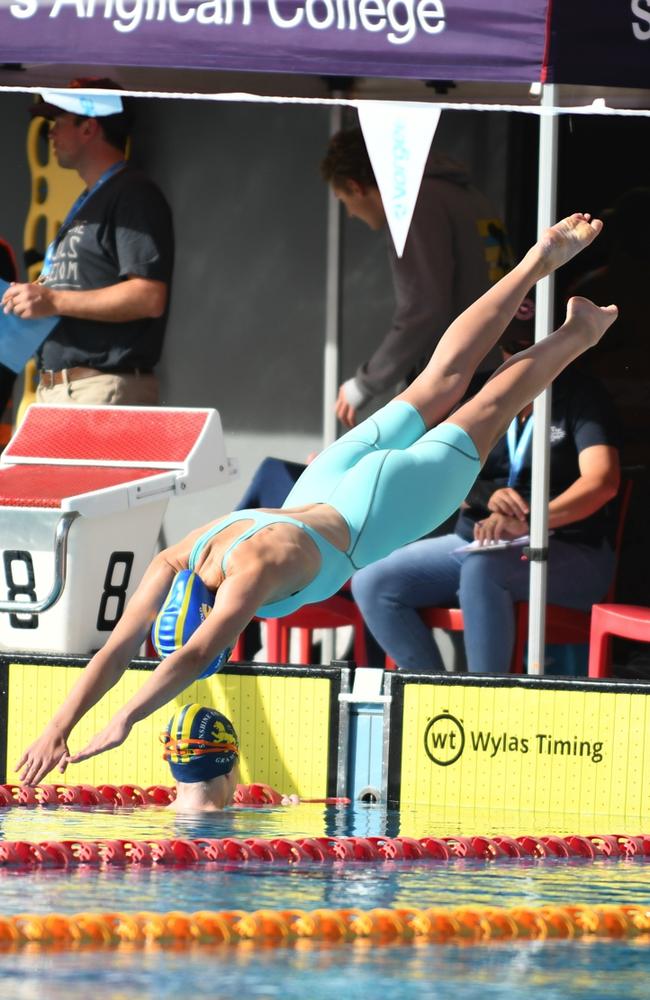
[[546, 216], [331, 360], [331, 352]]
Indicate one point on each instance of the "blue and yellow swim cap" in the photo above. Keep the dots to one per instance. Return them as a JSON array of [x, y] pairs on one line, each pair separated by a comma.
[[200, 744], [187, 605]]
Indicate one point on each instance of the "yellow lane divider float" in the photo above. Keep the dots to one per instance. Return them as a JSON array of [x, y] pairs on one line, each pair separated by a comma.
[[466, 925]]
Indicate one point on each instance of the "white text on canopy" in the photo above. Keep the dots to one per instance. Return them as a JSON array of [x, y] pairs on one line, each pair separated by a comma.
[[400, 20]]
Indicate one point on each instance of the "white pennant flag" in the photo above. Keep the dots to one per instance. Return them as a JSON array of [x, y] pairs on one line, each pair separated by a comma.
[[398, 138]]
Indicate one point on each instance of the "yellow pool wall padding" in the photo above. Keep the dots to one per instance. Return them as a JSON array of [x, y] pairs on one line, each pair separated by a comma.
[[282, 723], [525, 750]]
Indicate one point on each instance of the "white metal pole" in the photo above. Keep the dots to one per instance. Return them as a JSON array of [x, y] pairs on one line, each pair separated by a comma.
[[331, 359], [546, 211], [331, 351]]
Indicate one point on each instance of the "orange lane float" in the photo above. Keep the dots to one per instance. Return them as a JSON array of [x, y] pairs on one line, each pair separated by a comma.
[[462, 925], [25, 854]]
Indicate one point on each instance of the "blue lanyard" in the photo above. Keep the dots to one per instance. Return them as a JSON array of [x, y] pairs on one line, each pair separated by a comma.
[[81, 200], [517, 449]]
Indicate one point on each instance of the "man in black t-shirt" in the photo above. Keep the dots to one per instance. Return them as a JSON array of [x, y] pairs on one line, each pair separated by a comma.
[[485, 584], [107, 273]]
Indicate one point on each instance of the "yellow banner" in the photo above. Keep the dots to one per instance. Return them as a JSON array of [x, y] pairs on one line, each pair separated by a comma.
[[283, 724], [542, 751]]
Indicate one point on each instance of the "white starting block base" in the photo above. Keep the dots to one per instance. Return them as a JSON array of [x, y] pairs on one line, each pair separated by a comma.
[[97, 479], [107, 557]]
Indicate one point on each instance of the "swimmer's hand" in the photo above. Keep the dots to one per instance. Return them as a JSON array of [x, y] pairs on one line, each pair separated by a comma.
[[113, 735], [50, 750], [290, 800]]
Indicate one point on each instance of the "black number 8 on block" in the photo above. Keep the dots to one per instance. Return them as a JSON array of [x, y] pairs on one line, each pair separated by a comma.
[[14, 590], [114, 589]]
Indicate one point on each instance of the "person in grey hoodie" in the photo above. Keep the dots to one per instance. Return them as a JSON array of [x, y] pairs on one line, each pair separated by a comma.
[[456, 248]]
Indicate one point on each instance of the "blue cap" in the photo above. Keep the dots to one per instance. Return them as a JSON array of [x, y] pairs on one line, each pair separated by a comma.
[[187, 605], [200, 744]]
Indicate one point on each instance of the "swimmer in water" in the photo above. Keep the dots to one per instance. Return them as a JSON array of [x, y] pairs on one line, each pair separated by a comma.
[[202, 750]]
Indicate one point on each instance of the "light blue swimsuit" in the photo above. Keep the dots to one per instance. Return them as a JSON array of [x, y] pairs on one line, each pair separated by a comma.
[[390, 479]]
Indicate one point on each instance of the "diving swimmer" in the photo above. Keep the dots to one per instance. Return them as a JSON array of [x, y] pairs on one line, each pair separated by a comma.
[[385, 483]]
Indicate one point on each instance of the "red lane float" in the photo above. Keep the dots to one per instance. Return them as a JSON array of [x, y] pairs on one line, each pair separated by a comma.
[[88, 796], [130, 796], [339, 850], [264, 795]]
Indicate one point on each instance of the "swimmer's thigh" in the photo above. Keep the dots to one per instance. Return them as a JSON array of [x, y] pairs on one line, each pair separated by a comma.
[[396, 425], [409, 493]]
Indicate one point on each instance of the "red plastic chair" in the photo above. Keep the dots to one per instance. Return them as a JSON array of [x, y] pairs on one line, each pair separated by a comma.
[[628, 621], [237, 654], [334, 612], [564, 626]]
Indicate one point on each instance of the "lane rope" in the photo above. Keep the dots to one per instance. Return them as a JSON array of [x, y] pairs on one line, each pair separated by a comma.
[[90, 796], [466, 924], [26, 854]]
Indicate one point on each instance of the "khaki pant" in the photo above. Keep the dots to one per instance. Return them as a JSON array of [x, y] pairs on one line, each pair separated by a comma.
[[107, 390]]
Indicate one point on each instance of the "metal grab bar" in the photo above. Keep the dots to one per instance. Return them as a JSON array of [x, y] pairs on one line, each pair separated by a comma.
[[60, 572]]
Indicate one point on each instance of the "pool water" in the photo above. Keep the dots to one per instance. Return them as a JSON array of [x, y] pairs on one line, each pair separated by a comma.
[[562, 969], [530, 970]]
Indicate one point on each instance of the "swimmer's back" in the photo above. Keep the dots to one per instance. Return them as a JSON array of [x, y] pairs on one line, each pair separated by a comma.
[[299, 545]]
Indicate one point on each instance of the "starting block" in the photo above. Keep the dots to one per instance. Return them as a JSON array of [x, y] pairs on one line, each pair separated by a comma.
[[83, 491]]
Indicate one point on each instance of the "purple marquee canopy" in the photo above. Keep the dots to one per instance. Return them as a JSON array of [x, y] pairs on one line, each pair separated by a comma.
[[569, 41]]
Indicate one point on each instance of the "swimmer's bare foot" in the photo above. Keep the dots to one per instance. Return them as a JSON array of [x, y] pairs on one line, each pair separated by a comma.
[[566, 239], [591, 320]]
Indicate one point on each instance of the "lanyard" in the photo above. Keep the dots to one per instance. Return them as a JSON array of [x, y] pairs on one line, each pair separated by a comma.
[[517, 449], [81, 200]]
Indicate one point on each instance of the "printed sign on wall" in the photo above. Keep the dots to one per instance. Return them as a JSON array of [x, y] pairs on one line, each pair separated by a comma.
[[550, 750]]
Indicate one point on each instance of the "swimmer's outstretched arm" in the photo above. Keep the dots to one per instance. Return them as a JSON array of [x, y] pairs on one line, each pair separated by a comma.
[[238, 598], [100, 675]]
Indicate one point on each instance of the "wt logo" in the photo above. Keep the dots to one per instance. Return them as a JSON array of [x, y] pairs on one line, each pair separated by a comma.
[[444, 739]]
